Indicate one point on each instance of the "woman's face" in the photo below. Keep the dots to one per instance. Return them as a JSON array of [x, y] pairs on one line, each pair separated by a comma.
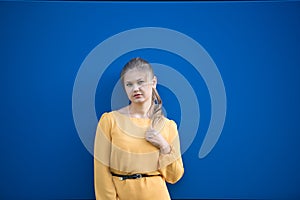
[[138, 85]]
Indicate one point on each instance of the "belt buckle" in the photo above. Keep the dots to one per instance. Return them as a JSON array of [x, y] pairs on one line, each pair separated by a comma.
[[138, 176]]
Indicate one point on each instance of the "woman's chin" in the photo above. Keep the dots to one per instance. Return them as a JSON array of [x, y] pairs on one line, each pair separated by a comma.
[[138, 101]]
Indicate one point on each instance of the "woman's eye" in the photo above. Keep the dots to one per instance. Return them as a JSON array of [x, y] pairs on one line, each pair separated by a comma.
[[140, 82], [128, 84]]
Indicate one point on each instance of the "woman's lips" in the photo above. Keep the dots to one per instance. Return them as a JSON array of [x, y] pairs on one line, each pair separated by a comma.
[[137, 95]]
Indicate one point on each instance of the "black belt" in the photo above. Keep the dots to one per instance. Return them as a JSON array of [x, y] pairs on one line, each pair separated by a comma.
[[133, 176]]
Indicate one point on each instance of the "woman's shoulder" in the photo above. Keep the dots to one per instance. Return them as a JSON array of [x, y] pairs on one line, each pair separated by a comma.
[[168, 120], [113, 114], [165, 122], [106, 116], [169, 128]]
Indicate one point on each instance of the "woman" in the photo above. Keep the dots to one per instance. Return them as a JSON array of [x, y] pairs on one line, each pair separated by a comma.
[[136, 148]]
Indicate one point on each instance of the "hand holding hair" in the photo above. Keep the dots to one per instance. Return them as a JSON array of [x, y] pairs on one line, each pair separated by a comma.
[[155, 138]]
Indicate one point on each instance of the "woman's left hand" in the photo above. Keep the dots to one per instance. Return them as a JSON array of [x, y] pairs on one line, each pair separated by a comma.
[[155, 138]]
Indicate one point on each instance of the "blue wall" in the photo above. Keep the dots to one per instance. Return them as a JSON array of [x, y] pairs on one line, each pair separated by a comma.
[[256, 47]]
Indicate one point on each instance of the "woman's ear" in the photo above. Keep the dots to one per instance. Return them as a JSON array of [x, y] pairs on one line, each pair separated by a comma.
[[154, 82]]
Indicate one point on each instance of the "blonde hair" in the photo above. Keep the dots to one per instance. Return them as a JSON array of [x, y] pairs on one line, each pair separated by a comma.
[[155, 111]]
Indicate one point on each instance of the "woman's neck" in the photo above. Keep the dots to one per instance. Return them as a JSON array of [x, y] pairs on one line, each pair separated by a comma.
[[139, 110]]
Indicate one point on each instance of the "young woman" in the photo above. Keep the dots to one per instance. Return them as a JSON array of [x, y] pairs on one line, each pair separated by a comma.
[[136, 148]]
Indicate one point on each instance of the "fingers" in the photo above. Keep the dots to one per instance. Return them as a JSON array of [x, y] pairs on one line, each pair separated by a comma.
[[150, 133], [156, 139], [153, 139], [151, 136]]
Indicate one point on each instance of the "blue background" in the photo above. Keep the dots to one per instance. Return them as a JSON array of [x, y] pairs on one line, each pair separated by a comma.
[[256, 46]]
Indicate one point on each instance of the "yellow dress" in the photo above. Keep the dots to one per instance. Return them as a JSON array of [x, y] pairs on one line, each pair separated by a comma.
[[121, 148]]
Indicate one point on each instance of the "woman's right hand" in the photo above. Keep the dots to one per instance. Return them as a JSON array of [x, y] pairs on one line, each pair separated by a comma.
[[155, 138]]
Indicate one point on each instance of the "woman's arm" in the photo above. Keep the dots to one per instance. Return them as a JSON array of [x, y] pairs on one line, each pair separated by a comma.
[[104, 186], [173, 172], [103, 183], [170, 162]]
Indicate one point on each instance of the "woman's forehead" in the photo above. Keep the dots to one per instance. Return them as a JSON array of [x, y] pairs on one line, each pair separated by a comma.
[[134, 74]]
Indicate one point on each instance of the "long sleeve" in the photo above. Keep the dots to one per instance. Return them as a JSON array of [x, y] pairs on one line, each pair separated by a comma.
[[171, 165], [104, 186], [173, 172], [103, 183]]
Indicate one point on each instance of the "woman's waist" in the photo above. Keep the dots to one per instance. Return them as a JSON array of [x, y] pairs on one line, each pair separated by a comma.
[[149, 173]]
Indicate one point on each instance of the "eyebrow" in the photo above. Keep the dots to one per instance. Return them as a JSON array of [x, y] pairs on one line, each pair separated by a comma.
[[140, 79]]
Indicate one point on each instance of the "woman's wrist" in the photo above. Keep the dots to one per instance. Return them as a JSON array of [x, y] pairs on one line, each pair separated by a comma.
[[165, 149]]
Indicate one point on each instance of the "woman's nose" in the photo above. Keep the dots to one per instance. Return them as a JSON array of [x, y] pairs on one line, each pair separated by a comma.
[[136, 87]]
